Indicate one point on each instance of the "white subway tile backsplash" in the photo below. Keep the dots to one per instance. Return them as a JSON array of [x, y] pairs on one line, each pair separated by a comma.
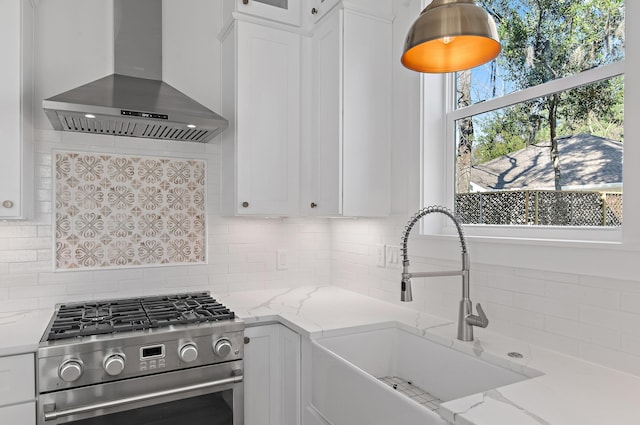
[[507, 314], [18, 279], [17, 231], [64, 277], [188, 281], [107, 276], [247, 267], [583, 294], [582, 331], [510, 282], [609, 283], [31, 266], [35, 291], [544, 275], [631, 301], [494, 295], [614, 319], [25, 243], [25, 255], [549, 306], [631, 344], [552, 341], [108, 288]]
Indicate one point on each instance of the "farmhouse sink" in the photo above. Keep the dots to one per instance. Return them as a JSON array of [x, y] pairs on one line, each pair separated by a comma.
[[354, 377]]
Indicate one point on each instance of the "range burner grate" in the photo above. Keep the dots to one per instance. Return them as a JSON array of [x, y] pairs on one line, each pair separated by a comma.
[[104, 317]]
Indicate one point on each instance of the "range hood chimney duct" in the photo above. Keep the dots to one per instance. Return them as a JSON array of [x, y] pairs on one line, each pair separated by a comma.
[[134, 101]]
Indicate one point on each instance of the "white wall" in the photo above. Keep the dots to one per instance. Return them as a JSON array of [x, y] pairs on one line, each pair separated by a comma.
[[73, 46], [579, 299]]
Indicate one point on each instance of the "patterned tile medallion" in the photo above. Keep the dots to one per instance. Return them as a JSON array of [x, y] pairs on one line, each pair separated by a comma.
[[120, 210]]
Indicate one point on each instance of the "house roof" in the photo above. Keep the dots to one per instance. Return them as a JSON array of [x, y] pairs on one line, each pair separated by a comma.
[[585, 160]]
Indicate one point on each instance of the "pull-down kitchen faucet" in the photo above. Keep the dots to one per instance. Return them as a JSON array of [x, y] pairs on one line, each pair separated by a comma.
[[466, 319]]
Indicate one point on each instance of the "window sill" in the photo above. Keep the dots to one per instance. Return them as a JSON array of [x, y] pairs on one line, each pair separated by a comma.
[[543, 235]]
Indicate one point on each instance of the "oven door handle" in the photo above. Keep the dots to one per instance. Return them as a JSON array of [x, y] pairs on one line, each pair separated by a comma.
[[53, 415]]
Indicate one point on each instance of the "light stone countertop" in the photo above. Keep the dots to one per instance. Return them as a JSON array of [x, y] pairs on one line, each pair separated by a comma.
[[20, 332], [564, 391], [568, 391]]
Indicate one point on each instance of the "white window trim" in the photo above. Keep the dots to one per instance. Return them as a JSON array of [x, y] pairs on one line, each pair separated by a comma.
[[611, 260], [551, 234]]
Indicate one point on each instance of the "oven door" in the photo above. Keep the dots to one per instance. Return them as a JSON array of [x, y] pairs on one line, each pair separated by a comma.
[[209, 395]]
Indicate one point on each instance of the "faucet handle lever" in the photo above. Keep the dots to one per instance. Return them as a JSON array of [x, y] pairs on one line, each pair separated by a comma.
[[480, 320]]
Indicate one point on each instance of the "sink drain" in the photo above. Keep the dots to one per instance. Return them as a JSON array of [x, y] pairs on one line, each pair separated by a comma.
[[515, 355]]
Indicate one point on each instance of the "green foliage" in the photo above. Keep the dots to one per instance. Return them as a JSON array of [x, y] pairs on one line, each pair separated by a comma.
[[544, 40]]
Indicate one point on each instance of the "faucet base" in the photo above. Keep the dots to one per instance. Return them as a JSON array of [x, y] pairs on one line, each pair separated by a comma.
[[465, 330]]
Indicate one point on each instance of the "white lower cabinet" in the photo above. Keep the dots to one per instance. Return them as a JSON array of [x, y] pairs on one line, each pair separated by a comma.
[[19, 414], [17, 390], [272, 376]]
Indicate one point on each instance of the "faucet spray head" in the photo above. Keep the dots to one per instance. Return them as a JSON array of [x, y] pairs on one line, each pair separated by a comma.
[[405, 292]]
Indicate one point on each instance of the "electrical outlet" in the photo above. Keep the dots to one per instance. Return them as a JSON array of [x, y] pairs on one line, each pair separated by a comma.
[[381, 255], [282, 260], [393, 257]]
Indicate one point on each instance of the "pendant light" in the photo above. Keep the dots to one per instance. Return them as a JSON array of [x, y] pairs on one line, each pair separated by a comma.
[[449, 36]]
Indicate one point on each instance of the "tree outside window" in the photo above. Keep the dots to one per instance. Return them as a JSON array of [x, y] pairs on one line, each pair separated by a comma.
[[539, 130]]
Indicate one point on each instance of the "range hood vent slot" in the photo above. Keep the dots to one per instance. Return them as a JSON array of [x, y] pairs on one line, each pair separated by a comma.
[[131, 128]]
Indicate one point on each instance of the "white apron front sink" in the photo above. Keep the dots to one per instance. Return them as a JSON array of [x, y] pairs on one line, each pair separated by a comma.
[[348, 372]]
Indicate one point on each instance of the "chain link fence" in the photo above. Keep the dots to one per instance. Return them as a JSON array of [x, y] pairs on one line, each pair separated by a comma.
[[540, 207]]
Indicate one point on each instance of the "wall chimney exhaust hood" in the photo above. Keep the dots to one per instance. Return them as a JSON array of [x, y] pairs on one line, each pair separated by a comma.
[[134, 101]]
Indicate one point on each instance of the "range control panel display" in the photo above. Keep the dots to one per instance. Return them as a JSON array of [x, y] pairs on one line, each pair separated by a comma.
[[144, 115], [152, 352]]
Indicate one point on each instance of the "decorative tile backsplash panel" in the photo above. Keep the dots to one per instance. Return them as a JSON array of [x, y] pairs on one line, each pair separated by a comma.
[[122, 210]]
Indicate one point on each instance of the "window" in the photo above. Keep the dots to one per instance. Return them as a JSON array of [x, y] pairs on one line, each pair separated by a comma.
[[539, 131]]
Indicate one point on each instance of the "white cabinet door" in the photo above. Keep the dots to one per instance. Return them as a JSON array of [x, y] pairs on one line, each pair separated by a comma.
[[20, 414], [290, 376], [17, 390], [17, 379], [349, 149], [286, 11], [325, 149], [366, 130], [16, 31], [264, 111], [272, 376]]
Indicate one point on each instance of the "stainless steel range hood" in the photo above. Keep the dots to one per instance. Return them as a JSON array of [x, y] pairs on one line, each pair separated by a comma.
[[134, 101]]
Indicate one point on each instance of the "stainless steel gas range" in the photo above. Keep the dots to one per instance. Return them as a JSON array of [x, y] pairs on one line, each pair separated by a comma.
[[169, 359]]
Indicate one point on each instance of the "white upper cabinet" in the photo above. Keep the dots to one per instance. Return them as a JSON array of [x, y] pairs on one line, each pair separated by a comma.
[[16, 87], [346, 167], [380, 8], [260, 152], [285, 11]]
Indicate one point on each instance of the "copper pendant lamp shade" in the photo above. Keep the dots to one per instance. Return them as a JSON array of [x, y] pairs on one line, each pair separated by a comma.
[[449, 36]]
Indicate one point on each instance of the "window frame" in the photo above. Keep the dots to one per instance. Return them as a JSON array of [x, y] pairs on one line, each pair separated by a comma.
[[451, 115]]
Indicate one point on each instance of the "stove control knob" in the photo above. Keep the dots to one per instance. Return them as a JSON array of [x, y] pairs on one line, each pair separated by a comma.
[[188, 352], [113, 364], [222, 347], [70, 370]]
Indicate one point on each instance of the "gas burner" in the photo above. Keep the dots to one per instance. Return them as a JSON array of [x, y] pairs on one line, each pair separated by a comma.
[[104, 317]]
